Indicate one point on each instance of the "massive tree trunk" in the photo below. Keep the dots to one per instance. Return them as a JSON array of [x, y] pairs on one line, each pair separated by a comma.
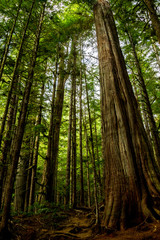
[[154, 17], [20, 130], [129, 183]]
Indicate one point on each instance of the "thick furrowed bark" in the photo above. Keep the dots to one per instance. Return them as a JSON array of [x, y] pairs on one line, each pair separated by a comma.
[[127, 151]]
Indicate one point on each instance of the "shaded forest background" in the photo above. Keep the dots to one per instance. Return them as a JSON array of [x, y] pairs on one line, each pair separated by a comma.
[[51, 141]]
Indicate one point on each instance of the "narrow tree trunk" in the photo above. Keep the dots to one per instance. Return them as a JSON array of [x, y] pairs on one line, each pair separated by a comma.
[[74, 148], [35, 155], [10, 131], [154, 131], [9, 41], [69, 151], [80, 143], [88, 180], [71, 173], [145, 118], [93, 158], [141, 105], [13, 85], [154, 17], [156, 53], [98, 160], [57, 121], [29, 173], [4, 47], [128, 184], [47, 174], [87, 163], [20, 131], [20, 183], [50, 172]]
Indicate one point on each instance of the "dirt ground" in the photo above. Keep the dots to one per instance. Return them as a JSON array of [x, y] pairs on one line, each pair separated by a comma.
[[74, 224]]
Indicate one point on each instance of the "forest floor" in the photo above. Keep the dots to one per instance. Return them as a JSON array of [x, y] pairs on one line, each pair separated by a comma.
[[72, 225]]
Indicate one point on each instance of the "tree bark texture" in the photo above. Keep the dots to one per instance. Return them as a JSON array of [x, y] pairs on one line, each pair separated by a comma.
[[20, 183], [129, 186]]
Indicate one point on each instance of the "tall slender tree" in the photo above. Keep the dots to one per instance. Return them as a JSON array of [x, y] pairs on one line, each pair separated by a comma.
[[50, 173], [13, 84], [57, 119], [80, 138], [74, 139], [10, 106], [87, 163], [9, 41], [36, 150], [154, 130], [93, 157], [20, 130], [47, 174], [69, 147]]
